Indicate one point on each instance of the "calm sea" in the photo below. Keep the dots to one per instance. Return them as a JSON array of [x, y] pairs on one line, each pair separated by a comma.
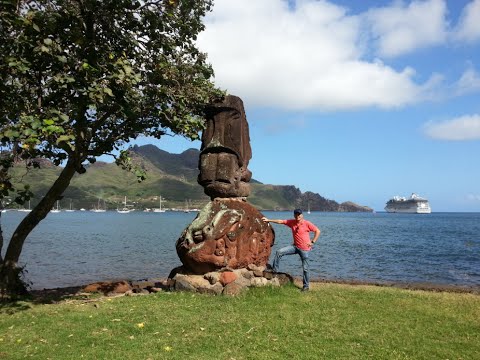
[[69, 249]]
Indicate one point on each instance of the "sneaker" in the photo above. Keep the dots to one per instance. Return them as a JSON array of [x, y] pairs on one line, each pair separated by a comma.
[[270, 270], [305, 289]]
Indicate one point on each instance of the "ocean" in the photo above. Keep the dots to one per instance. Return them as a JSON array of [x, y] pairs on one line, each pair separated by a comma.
[[71, 249]]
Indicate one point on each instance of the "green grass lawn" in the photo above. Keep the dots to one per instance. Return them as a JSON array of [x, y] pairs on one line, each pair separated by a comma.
[[332, 321]]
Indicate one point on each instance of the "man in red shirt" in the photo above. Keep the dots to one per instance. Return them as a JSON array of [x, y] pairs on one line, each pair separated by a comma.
[[302, 244]]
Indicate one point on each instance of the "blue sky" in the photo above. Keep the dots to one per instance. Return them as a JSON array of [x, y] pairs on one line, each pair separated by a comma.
[[355, 100]]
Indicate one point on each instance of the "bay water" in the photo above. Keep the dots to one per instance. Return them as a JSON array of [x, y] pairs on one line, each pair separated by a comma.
[[76, 248]]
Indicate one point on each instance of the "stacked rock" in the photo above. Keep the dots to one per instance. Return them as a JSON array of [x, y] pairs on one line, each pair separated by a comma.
[[228, 281]]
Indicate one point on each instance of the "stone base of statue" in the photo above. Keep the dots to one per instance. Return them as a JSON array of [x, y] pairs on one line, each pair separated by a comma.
[[227, 233], [225, 281]]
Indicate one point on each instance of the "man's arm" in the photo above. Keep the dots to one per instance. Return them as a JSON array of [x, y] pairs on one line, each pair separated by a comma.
[[317, 234], [264, 219]]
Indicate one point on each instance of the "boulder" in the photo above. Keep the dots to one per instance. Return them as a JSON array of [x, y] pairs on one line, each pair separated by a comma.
[[215, 289], [253, 267], [233, 289], [227, 277], [259, 273], [213, 277], [195, 280], [182, 284], [247, 274], [226, 233], [244, 282], [284, 278], [258, 282], [108, 287]]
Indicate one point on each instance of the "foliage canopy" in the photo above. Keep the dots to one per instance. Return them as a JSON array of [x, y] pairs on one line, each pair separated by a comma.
[[81, 77]]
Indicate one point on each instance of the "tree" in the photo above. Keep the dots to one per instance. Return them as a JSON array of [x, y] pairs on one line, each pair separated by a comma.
[[80, 78]]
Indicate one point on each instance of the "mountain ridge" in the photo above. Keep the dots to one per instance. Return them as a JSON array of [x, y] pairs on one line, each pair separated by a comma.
[[316, 202], [172, 176]]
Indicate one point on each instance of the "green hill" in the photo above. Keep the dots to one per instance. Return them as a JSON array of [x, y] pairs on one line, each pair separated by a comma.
[[172, 176]]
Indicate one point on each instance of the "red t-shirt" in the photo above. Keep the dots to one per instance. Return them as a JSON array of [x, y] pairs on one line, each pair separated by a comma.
[[301, 232]]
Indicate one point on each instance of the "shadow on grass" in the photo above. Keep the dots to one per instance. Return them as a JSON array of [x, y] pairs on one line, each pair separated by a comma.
[[11, 305], [51, 296]]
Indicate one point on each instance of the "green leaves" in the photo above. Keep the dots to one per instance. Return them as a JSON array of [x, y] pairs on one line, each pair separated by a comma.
[[11, 134], [81, 79], [36, 124], [30, 132], [125, 162], [108, 91], [7, 190], [66, 141]]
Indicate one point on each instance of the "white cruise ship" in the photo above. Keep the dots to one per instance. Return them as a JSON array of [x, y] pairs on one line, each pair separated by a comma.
[[413, 205]]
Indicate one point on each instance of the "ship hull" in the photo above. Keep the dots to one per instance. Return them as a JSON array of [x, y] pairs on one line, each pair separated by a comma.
[[411, 210]]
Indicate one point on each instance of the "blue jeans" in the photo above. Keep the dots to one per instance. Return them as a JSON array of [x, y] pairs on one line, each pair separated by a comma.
[[291, 250]]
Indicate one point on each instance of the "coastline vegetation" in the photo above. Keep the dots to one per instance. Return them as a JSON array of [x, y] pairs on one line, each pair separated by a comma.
[[332, 321], [173, 176]]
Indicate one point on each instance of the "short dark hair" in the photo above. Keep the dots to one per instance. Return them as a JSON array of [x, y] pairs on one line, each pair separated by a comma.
[[297, 212]]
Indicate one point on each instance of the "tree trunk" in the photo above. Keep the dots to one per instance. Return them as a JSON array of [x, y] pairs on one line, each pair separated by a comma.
[[1, 236], [9, 272]]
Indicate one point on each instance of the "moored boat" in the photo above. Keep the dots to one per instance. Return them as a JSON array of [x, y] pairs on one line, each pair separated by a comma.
[[99, 208], [159, 210], [56, 210], [70, 209], [126, 208], [26, 210]]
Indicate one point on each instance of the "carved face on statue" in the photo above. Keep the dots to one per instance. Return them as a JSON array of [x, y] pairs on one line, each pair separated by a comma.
[[226, 233], [225, 151]]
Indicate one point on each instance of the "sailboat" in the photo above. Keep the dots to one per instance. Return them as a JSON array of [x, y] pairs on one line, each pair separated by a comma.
[[159, 210], [125, 209], [98, 208], [186, 207], [308, 211], [26, 210], [70, 210], [57, 210]]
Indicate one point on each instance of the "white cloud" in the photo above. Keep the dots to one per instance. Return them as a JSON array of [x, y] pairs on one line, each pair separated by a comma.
[[468, 82], [465, 127], [401, 28], [468, 28], [309, 57]]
